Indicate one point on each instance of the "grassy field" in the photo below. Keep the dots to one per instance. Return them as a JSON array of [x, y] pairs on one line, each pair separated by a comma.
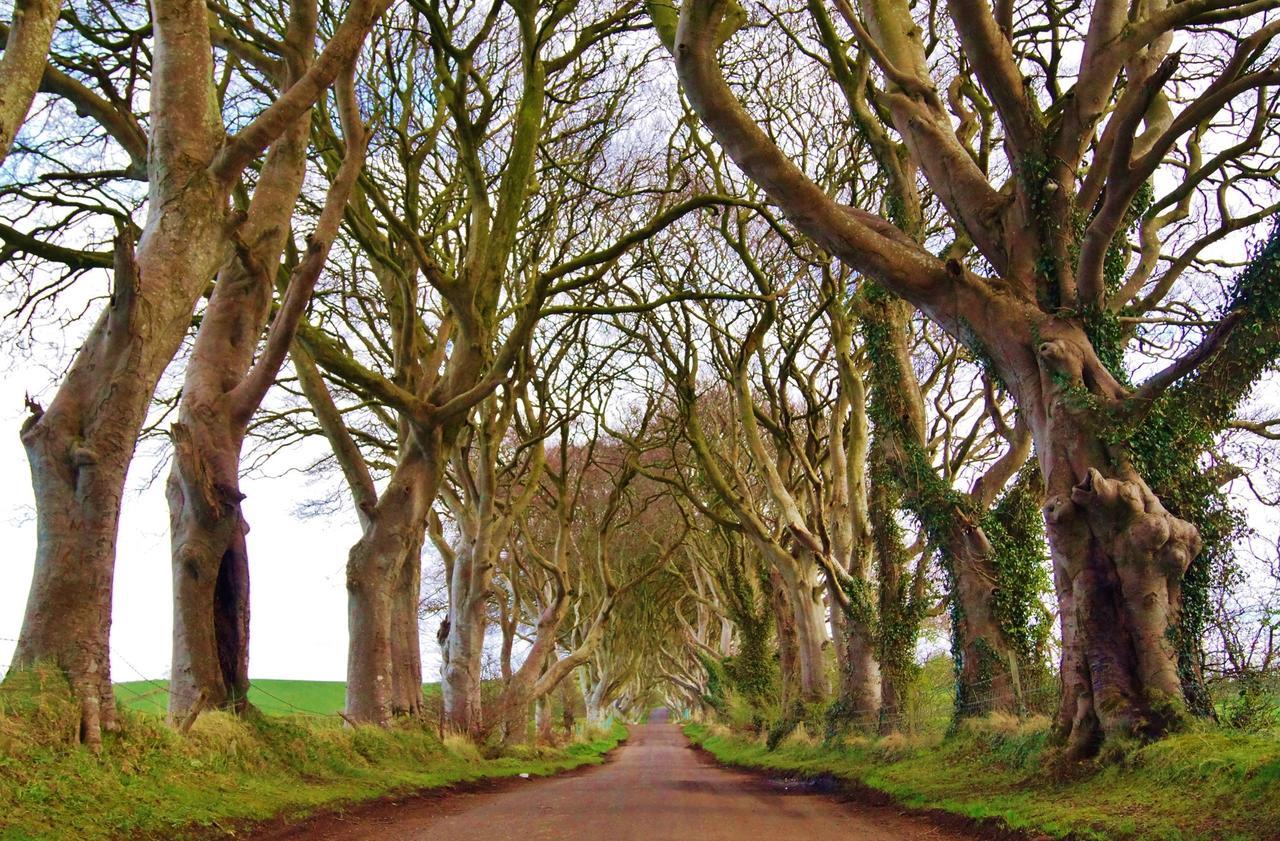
[[151, 783], [273, 697], [1205, 784]]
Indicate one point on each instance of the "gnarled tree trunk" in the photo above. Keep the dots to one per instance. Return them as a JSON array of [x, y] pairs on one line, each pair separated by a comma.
[[224, 387], [859, 691], [461, 654], [785, 631], [1118, 556], [375, 565], [80, 448], [809, 626]]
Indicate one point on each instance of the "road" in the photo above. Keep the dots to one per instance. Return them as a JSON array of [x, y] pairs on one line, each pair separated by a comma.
[[654, 788]]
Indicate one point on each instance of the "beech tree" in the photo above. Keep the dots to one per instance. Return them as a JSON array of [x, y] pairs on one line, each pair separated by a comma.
[[81, 445], [225, 385], [1035, 292]]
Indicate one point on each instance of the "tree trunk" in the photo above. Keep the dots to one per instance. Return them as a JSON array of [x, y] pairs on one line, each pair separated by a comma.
[[897, 624], [544, 720], [462, 657], [210, 576], [570, 705], [982, 651], [68, 616], [1119, 557], [986, 661], [511, 713], [395, 527], [810, 632], [79, 449], [406, 644], [859, 696], [595, 698], [788, 656]]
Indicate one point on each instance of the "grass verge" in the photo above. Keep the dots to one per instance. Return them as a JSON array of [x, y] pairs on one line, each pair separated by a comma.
[[1204, 784], [150, 782]]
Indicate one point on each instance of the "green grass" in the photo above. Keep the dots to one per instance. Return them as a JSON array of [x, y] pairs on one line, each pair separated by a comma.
[[151, 783], [273, 697], [1206, 784]]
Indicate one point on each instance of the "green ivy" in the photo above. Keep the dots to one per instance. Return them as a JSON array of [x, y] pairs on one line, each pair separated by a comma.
[[1015, 528], [713, 693], [1165, 443]]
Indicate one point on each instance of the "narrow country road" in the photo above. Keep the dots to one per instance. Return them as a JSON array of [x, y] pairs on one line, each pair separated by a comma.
[[655, 788]]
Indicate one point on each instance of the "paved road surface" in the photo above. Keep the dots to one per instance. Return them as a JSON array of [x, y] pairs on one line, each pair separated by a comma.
[[655, 788]]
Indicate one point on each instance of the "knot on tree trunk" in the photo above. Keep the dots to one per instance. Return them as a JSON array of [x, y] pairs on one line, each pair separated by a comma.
[[1127, 515], [975, 539], [1063, 360]]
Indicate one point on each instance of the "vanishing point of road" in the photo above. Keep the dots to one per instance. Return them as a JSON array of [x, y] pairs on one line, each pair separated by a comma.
[[653, 788]]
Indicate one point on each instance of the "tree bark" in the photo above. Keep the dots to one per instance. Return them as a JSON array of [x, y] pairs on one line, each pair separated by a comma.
[[1118, 556], [859, 692], [597, 699], [788, 654], [898, 608], [462, 653], [570, 705], [210, 579], [26, 51], [987, 663], [406, 646], [800, 580], [394, 527]]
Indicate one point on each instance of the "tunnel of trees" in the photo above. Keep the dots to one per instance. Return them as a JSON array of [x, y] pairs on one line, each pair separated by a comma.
[[735, 357]]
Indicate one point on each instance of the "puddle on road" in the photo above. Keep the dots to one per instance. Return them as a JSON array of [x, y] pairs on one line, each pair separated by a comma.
[[821, 784]]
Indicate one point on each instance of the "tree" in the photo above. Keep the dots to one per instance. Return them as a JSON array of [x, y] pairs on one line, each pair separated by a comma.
[[1034, 294], [81, 446], [223, 389], [490, 201]]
